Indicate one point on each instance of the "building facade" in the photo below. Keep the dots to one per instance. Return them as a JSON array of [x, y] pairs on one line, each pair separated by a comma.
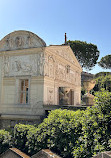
[[33, 75]]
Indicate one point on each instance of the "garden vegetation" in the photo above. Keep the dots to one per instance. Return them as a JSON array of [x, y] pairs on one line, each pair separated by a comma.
[[79, 134]]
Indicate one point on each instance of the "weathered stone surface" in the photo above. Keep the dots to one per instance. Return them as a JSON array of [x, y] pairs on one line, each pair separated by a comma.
[[24, 65], [45, 69], [21, 40]]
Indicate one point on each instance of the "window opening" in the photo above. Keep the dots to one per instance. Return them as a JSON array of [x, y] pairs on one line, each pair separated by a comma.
[[24, 92]]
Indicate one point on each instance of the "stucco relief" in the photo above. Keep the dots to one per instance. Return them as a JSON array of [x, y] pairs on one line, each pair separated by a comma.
[[40, 63], [64, 53], [51, 66], [19, 65], [50, 95], [46, 66], [6, 65], [9, 42], [62, 73], [14, 42], [23, 65], [21, 40]]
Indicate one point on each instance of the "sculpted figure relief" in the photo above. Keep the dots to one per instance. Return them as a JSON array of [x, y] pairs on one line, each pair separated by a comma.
[[9, 42], [50, 96], [19, 41], [6, 65], [51, 66], [18, 65], [41, 62], [64, 54], [23, 66], [30, 41], [46, 67]]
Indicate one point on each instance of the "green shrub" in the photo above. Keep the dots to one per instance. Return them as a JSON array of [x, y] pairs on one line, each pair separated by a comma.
[[5, 140], [77, 134], [20, 136], [96, 127], [59, 132], [103, 101]]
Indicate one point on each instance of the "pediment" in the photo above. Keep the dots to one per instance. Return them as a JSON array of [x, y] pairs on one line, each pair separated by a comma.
[[66, 53], [21, 40]]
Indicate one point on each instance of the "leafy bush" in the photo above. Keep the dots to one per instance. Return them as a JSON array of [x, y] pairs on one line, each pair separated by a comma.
[[74, 133], [5, 140], [59, 132], [69, 133], [103, 101], [20, 136], [96, 127]]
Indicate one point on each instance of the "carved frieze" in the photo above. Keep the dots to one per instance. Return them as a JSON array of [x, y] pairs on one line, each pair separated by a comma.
[[49, 66], [50, 95], [20, 40], [6, 65], [40, 63], [24, 65], [64, 53], [62, 73]]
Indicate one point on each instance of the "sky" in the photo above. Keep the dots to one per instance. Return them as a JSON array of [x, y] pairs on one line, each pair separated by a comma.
[[84, 20]]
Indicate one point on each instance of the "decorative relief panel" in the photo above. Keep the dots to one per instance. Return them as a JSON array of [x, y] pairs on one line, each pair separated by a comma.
[[20, 40], [64, 53], [6, 65], [49, 66], [61, 73], [24, 65], [58, 70], [50, 95]]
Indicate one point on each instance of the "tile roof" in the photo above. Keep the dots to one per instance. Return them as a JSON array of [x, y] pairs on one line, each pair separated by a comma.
[[17, 151]]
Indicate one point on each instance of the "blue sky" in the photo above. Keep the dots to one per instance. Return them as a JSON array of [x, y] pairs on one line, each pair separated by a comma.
[[85, 20]]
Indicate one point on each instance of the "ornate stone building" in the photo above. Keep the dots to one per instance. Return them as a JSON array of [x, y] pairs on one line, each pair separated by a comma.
[[33, 75]]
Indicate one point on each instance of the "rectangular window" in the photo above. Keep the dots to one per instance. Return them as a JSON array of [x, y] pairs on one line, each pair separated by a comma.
[[24, 91]]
